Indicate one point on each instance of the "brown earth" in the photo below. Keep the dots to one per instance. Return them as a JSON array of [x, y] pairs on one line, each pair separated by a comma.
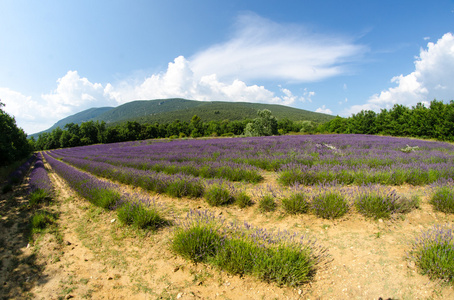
[[89, 255]]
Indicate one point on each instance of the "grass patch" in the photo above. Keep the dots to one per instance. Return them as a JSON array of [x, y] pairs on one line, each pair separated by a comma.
[[38, 197], [41, 220], [433, 253]]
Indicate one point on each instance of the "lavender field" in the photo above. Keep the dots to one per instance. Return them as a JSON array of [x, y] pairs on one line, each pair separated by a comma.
[[307, 160], [295, 183]]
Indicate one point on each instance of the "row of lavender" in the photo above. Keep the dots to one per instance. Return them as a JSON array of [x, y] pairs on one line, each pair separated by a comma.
[[347, 159], [40, 185], [200, 237], [245, 250]]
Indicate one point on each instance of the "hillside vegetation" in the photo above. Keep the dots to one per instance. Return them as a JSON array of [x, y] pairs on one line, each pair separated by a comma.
[[169, 110]]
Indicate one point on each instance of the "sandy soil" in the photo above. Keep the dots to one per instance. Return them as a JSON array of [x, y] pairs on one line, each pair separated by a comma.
[[89, 255]]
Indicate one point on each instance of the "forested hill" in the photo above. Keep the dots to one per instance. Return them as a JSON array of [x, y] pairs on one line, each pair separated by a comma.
[[169, 110]]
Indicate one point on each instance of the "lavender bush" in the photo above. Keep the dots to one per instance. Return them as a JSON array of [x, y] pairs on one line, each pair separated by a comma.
[[296, 203], [442, 198], [284, 258], [17, 175], [379, 202], [433, 253], [40, 185], [329, 203]]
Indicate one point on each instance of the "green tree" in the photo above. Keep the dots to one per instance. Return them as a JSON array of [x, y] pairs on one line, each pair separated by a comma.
[[264, 125], [13, 140]]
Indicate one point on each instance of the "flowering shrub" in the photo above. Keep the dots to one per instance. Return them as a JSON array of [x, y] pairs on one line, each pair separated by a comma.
[[296, 203], [217, 195], [433, 253], [381, 202], [330, 205], [443, 199], [282, 257]]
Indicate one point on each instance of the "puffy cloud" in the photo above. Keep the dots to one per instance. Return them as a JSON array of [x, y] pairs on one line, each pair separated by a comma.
[[324, 110], [75, 93], [179, 80], [433, 78], [262, 49], [27, 112]]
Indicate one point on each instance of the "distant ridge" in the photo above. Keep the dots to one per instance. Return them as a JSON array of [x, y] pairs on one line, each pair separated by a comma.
[[168, 110]]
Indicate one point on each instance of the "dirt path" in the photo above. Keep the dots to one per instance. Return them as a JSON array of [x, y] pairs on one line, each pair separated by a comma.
[[94, 257]]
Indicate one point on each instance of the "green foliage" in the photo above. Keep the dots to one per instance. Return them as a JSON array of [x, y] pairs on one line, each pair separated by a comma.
[[217, 195], [243, 200], [296, 203], [41, 220], [433, 253], [245, 250], [330, 205], [140, 216], [105, 198], [139, 120], [435, 121], [13, 140], [264, 125], [197, 243], [38, 196], [267, 203], [443, 199]]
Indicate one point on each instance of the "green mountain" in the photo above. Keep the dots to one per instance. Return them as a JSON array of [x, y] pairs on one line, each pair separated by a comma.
[[83, 116], [168, 110]]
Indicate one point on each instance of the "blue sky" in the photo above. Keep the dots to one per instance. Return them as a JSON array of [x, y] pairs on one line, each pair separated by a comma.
[[61, 57]]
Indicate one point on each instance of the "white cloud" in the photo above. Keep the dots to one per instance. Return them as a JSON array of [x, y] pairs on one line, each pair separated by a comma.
[[324, 110], [75, 93], [27, 112], [262, 49], [433, 78], [179, 80]]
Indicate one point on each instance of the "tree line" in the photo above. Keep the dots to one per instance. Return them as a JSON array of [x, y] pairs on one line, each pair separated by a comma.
[[435, 121], [91, 132]]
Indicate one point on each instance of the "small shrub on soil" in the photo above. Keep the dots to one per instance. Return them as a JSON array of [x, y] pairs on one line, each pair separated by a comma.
[[379, 202], [433, 253], [243, 200], [283, 258], [38, 196], [267, 203], [197, 243], [296, 203], [330, 205], [41, 220], [105, 198], [217, 195], [184, 187], [443, 199], [140, 215]]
